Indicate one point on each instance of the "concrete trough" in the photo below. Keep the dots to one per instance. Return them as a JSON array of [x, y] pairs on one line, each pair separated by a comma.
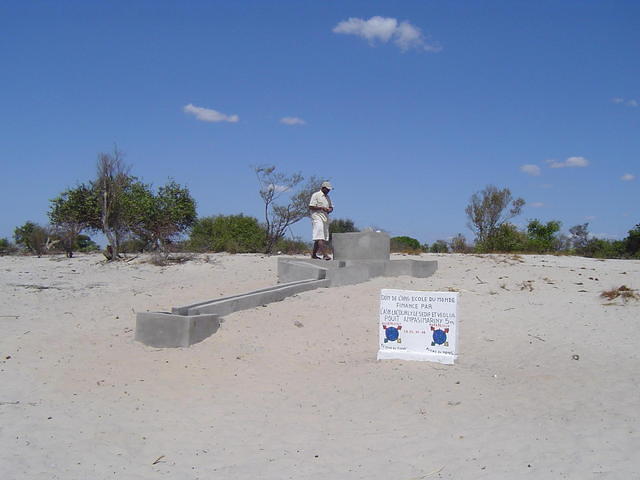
[[361, 246], [358, 257], [410, 267], [349, 272], [227, 305], [164, 329]]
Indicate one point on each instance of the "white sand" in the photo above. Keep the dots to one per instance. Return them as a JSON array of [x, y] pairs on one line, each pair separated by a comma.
[[262, 398]]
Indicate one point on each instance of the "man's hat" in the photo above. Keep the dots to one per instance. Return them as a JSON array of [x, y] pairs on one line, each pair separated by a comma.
[[326, 185]]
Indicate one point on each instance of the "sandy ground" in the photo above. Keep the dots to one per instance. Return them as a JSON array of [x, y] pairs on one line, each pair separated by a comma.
[[546, 384]]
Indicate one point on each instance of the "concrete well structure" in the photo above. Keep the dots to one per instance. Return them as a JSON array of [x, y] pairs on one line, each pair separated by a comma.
[[358, 257]]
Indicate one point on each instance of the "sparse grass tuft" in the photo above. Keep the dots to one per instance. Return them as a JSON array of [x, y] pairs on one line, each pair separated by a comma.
[[623, 292], [161, 260]]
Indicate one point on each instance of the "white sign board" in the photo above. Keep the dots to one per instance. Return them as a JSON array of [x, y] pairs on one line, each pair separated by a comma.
[[418, 325]]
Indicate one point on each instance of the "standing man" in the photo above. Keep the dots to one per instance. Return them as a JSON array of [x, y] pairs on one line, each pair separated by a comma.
[[320, 207]]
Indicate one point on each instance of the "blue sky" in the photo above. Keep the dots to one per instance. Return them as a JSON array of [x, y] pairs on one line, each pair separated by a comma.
[[407, 107]]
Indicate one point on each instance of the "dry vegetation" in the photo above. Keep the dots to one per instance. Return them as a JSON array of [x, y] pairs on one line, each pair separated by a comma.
[[623, 292]]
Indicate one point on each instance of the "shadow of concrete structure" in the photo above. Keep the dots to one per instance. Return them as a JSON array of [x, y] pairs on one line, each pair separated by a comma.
[[358, 257]]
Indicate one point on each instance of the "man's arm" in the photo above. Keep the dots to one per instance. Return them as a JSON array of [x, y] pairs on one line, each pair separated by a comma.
[[322, 209]]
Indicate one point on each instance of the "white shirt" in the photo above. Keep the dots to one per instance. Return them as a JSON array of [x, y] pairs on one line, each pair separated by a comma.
[[319, 199]]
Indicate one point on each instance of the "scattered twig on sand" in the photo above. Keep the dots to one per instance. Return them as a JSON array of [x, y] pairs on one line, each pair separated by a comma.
[[157, 460], [36, 287], [435, 472], [480, 281], [537, 337], [623, 292], [10, 403], [10, 316], [527, 285]]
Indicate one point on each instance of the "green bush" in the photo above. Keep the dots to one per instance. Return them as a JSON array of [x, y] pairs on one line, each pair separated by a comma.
[[439, 246], [228, 233], [632, 242], [32, 237], [6, 247], [292, 246], [507, 238], [84, 244], [405, 245], [541, 238], [342, 225], [601, 248]]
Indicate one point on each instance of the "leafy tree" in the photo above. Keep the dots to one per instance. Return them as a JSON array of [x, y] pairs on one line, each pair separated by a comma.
[[232, 233], [459, 244], [542, 237], [439, 246], [342, 225], [580, 237], [85, 244], [562, 243], [280, 216], [6, 247], [507, 238], [32, 237], [73, 211], [602, 248], [156, 219], [139, 213], [632, 242], [489, 209], [405, 245], [112, 181]]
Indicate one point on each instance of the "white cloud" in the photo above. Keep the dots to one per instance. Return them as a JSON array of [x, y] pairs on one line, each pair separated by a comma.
[[590, 218], [629, 103], [383, 29], [569, 163], [627, 177], [537, 204], [209, 115], [376, 28], [530, 169], [292, 121]]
